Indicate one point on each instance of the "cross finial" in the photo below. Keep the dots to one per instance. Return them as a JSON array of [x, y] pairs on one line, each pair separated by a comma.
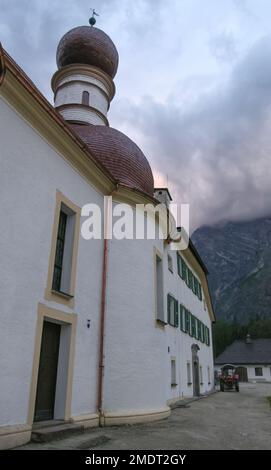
[[92, 20]]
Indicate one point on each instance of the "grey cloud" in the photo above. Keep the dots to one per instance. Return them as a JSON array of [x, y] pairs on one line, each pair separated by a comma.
[[215, 149], [223, 46], [218, 153], [244, 7]]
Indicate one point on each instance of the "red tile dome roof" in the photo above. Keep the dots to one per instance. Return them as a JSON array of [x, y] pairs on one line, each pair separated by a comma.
[[88, 45], [119, 155]]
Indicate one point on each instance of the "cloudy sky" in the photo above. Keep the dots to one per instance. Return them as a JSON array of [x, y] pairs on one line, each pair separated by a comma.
[[193, 89]]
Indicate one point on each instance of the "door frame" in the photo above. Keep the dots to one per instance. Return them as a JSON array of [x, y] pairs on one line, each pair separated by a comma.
[[195, 373], [46, 313], [46, 411]]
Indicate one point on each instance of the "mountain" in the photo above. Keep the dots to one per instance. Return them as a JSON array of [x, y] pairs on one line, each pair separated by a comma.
[[238, 257]]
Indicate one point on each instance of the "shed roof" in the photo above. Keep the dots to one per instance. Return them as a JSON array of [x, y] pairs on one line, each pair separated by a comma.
[[258, 351]]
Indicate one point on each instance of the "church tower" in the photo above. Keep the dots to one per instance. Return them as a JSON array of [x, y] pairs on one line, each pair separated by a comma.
[[83, 86]]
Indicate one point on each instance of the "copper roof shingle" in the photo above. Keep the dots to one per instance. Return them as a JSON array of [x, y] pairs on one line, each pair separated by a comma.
[[88, 45], [120, 156]]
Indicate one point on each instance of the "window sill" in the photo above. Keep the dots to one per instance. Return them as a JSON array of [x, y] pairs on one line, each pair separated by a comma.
[[64, 295], [162, 322]]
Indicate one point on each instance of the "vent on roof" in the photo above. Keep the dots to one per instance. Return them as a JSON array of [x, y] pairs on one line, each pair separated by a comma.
[[248, 339]]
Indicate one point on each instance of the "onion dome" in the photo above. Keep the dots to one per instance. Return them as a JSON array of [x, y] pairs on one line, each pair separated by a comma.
[[88, 45], [119, 155]]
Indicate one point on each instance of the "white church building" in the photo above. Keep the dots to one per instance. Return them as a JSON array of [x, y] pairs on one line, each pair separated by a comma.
[[93, 331]]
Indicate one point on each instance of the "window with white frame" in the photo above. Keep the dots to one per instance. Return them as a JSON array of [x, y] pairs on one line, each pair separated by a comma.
[[200, 375], [160, 311], [85, 98], [173, 373], [208, 375], [189, 377], [64, 251], [258, 371], [170, 263], [172, 309]]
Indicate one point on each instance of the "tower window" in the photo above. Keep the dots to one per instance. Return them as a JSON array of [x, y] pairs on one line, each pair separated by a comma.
[[85, 98]]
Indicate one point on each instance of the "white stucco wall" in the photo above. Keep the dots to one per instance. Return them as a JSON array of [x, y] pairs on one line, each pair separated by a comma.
[[82, 114], [180, 343], [266, 369], [73, 92], [31, 172], [135, 358], [138, 350], [83, 78]]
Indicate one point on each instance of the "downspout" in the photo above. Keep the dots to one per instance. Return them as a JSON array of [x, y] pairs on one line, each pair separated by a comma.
[[102, 316]]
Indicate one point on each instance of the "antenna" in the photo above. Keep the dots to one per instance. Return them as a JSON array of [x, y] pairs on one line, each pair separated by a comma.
[[92, 20]]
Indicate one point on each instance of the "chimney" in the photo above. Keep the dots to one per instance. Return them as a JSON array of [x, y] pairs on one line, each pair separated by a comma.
[[163, 196], [248, 339]]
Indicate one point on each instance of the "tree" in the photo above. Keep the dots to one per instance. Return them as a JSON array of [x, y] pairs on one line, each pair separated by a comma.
[[226, 333]]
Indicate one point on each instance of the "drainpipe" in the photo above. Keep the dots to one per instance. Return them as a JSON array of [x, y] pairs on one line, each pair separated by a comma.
[[102, 317]]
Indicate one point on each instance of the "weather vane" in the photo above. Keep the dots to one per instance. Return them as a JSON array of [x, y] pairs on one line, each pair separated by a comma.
[[92, 20]]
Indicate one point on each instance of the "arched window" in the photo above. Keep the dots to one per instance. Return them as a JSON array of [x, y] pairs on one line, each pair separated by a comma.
[[85, 98]]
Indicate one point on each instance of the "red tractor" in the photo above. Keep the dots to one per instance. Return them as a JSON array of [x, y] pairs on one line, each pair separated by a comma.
[[228, 379]]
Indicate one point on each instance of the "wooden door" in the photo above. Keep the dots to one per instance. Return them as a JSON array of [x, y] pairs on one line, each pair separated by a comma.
[[46, 386]]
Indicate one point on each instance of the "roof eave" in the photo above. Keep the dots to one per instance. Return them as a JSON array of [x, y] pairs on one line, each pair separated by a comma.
[[7, 63]]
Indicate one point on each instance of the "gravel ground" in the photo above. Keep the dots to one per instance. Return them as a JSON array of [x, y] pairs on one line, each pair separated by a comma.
[[226, 420]]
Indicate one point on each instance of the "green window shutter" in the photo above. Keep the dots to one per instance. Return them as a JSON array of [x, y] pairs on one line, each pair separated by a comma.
[[176, 316], [202, 333], [172, 306], [58, 265], [190, 279], [196, 287], [198, 329], [186, 321], [190, 317], [182, 318], [179, 265], [200, 292], [184, 269], [194, 283], [193, 326], [168, 308], [207, 336]]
